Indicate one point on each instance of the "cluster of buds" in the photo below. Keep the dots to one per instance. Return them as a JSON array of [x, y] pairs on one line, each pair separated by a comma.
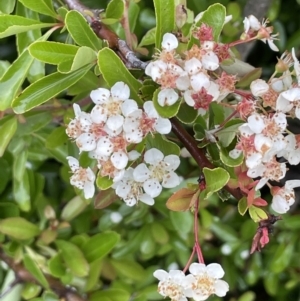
[[114, 124], [202, 282]]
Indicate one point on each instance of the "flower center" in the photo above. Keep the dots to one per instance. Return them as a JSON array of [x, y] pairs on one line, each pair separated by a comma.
[[204, 285]]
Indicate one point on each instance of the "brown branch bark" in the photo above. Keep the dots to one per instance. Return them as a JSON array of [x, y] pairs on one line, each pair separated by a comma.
[[56, 286]]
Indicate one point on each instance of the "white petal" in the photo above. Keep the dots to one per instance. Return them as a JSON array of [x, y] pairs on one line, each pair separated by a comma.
[[167, 97], [131, 201], [188, 98], [163, 126], [279, 204], [290, 184], [221, 288], [215, 270], [256, 123], [183, 82], [73, 163], [100, 95], [119, 159], [123, 188], [245, 130], [115, 122], [259, 87], [104, 146], [192, 66], [128, 106], [145, 198], [173, 161], [98, 114], [210, 61], [262, 182], [197, 268], [152, 187], [170, 180], [133, 155], [253, 160], [141, 173], [89, 189], [150, 109], [169, 42], [283, 104], [120, 91], [254, 23], [161, 275], [199, 80], [153, 156], [272, 45], [86, 142]]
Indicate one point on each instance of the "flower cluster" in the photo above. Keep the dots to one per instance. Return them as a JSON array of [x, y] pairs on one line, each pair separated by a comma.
[[202, 282], [115, 123], [267, 143]]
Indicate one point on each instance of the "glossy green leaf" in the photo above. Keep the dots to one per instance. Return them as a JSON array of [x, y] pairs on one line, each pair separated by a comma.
[[73, 258], [148, 38], [165, 19], [187, 114], [11, 24], [100, 245], [94, 274], [227, 160], [46, 88], [115, 9], [214, 16], [81, 32], [55, 265], [257, 214], [182, 221], [31, 290], [114, 294], [7, 131], [248, 78], [4, 65], [13, 78], [21, 192], [215, 179], [73, 208], [84, 56], [113, 70], [164, 145], [165, 111], [7, 6], [19, 228], [159, 233], [228, 133], [35, 271], [86, 84], [242, 206], [24, 39], [44, 7], [53, 52], [103, 183]]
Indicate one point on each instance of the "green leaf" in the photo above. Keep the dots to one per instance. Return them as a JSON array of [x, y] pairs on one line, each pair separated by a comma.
[[7, 131], [248, 78], [187, 114], [165, 19], [24, 39], [159, 233], [57, 137], [103, 183], [7, 6], [166, 111], [19, 166], [73, 258], [227, 160], [115, 9], [35, 271], [182, 221], [55, 264], [215, 179], [46, 88], [271, 283], [148, 38], [282, 257], [12, 24], [224, 232], [214, 17], [19, 228], [100, 245], [228, 133], [114, 294], [44, 7], [73, 208], [81, 32], [53, 52], [8, 210], [113, 70], [31, 290], [257, 214], [242, 206], [84, 56], [165, 146], [129, 269]]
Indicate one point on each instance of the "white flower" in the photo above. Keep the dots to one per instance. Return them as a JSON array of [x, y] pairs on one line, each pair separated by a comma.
[[291, 152], [171, 284], [205, 281], [296, 65], [259, 87], [139, 123], [160, 172], [210, 61], [156, 69], [131, 191], [82, 178], [251, 23], [167, 97], [284, 197], [110, 105], [169, 42]]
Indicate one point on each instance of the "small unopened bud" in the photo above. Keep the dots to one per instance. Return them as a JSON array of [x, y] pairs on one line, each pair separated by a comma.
[[49, 212], [181, 15]]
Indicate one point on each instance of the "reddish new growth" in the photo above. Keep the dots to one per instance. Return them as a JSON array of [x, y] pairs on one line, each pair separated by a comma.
[[202, 99], [222, 51], [203, 33]]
